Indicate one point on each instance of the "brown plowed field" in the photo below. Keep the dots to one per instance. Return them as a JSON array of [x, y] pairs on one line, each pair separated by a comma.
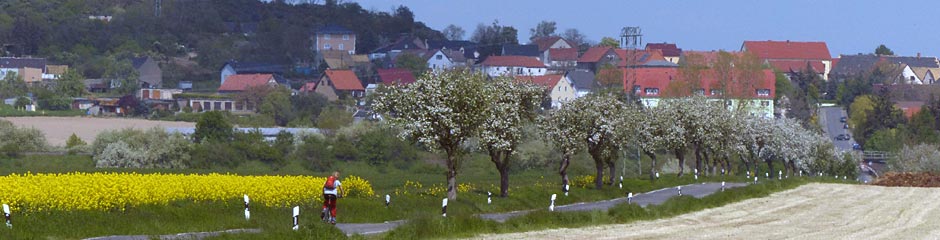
[[58, 129]]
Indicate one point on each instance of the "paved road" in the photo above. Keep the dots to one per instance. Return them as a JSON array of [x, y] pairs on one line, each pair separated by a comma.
[[650, 198], [829, 119], [656, 197]]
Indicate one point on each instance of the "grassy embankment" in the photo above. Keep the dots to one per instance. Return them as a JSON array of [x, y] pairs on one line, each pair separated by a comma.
[[421, 205]]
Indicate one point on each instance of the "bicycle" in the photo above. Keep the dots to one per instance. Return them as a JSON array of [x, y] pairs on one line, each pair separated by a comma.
[[327, 214]]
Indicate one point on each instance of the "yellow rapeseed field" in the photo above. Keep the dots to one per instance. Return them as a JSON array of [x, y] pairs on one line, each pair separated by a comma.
[[109, 191]]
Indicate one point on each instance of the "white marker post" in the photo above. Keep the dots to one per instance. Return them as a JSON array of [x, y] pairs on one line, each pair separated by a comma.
[[767, 175], [552, 206], [621, 181], [657, 175], [845, 177], [629, 197], [489, 197], [696, 174], [780, 175], [566, 190], [747, 174], [722, 186], [247, 213], [444, 207], [722, 171], [679, 189], [6, 214], [388, 200], [755, 179], [296, 217]]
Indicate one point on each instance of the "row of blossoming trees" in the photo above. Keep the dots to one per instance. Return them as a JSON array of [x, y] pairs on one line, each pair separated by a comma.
[[445, 110]]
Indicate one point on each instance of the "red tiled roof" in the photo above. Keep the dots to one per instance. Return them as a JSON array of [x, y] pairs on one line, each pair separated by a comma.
[[344, 80], [709, 57], [639, 57], [797, 65], [548, 80], [396, 75], [909, 107], [594, 54], [835, 62], [309, 87], [241, 82], [513, 61], [563, 54], [660, 78], [669, 49], [788, 50], [545, 43]]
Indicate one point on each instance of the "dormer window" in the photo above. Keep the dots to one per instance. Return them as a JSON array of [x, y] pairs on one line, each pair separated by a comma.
[[636, 89], [439, 57], [700, 91], [716, 92], [345, 36], [326, 36], [652, 91], [763, 92]]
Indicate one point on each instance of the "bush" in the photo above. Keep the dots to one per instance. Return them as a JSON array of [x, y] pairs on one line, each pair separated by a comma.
[[210, 154], [315, 154], [212, 126], [132, 148], [918, 158], [17, 140], [75, 145]]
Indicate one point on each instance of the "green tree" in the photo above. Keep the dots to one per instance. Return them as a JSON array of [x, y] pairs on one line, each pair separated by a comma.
[[453, 32], [13, 85], [333, 118], [859, 110], [463, 97], [491, 38], [71, 84], [921, 128], [513, 105], [883, 116], [74, 143], [543, 29], [416, 64], [609, 42], [883, 50], [126, 80], [213, 127], [277, 105]]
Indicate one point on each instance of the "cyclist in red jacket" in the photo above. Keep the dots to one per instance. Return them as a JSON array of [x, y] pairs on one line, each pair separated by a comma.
[[332, 189]]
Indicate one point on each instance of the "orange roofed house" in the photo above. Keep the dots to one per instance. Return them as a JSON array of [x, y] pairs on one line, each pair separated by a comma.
[[652, 85], [336, 83], [791, 57]]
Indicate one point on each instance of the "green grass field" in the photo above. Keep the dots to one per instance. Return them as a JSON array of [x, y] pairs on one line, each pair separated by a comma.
[[530, 190]]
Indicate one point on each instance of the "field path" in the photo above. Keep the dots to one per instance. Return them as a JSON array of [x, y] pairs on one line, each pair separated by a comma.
[[812, 211], [58, 129], [656, 197]]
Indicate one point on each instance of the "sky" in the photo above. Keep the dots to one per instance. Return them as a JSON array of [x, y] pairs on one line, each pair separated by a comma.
[[848, 27]]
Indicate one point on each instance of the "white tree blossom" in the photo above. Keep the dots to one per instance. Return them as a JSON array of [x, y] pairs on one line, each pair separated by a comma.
[[513, 105]]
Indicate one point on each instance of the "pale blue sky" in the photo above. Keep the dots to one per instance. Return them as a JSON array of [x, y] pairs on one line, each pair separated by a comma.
[[848, 27]]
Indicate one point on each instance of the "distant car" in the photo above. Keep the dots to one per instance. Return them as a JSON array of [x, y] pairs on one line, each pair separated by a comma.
[[842, 119], [855, 146], [843, 137], [845, 126]]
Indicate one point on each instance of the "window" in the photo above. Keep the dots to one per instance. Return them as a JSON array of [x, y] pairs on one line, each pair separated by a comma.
[[326, 46], [341, 47], [716, 92], [439, 57], [652, 91], [700, 91], [636, 89], [326, 36], [345, 36], [763, 92], [728, 103], [518, 70]]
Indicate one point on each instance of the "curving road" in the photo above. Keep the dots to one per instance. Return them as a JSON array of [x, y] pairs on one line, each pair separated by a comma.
[[829, 119]]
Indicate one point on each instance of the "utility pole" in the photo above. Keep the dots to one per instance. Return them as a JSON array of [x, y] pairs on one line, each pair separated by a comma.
[[157, 6]]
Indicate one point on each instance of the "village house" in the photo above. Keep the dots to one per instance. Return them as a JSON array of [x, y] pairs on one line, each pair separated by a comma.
[[582, 80], [756, 96], [597, 57], [335, 37], [340, 83], [467, 48], [240, 82], [148, 72], [557, 52], [445, 59], [912, 70], [559, 88], [669, 50], [405, 43], [791, 57], [30, 69], [236, 67], [513, 66]]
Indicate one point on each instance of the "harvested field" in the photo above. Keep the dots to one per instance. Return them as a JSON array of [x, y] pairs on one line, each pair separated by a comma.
[[58, 129], [813, 211]]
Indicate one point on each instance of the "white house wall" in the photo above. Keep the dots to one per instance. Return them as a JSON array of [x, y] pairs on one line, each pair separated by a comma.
[[756, 107]]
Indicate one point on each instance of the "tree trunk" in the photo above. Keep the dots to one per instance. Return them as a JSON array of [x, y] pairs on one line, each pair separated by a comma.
[[770, 166], [698, 159], [710, 163], [452, 176], [680, 154], [563, 169], [504, 180], [598, 156], [599, 179], [501, 160], [652, 165], [613, 170]]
